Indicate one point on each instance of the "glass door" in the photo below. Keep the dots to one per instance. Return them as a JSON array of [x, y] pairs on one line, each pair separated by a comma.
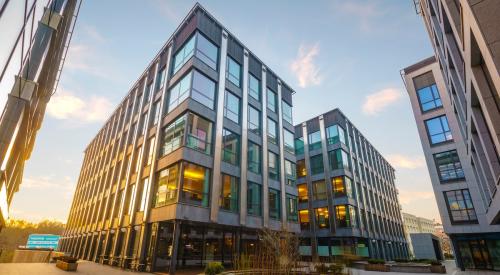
[[480, 254]]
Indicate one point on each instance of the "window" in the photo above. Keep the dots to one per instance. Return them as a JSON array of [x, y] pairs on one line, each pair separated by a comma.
[[253, 120], [345, 216], [138, 159], [272, 131], [335, 134], [303, 193], [230, 147], [232, 107], [438, 129], [273, 166], [254, 157], [460, 206], [155, 113], [299, 146], [290, 172], [254, 87], [342, 186], [319, 190], [179, 92], [271, 100], [166, 191], [314, 141], [203, 90], [291, 208], [289, 141], [147, 93], [173, 135], [322, 218], [206, 51], [429, 98], [144, 190], [301, 168], [338, 159], [233, 72], [449, 166], [151, 147], [287, 112], [229, 193], [317, 164], [254, 199], [195, 184], [199, 133], [160, 79], [274, 204], [304, 219]]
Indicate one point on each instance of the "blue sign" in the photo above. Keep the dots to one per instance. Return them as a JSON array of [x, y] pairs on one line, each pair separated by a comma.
[[43, 241]]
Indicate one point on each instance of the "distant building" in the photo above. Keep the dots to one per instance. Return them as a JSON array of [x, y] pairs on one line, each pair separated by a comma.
[[414, 224], [444, 239], [426, 246]]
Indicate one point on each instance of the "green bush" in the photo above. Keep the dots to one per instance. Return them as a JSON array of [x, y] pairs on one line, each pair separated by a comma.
[[336, 268], [321, 268], [434, 262], [401, 260], [214, 268], [376, 261]]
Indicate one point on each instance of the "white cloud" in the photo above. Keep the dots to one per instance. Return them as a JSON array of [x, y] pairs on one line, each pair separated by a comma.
[[407, 197], [364, 12], [66, 105], [304, 68], [93, 34], [407, 162], [378, 101]]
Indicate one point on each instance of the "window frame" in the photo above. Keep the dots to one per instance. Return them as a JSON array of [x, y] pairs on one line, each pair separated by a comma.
[[433, 98], [228, 109], [429, 135], [229, 61], [448, 207], [455, 168]]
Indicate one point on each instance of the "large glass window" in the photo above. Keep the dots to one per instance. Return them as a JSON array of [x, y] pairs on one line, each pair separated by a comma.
[[253, 120], [429, 98], [273, 166], [342, 186], [288, 141], [304, 219], [230, 147], [345, 216], [155, 113], [339, 159], [254, 157], [150, 154], [232, 107], [301, 168], [287, 112], [254, 87], [438, 129], [199, 133], [335, 134], [144, 192], [449, 166], [291, 208], [206, 51], [322, 217], [272, 131], [147, 93], [271, 100], [233, 72], [274, 204], [229, 193], [254, 199], [290, 172], [319, 190], [179, 92], [303, 193], [317, 164], [460, 206], [195, 184], [203, 90], [168, 180], [160, 79], [299, 146], [314, 141]]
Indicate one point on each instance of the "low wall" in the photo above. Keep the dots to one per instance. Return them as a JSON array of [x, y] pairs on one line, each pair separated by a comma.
[[32, 256]]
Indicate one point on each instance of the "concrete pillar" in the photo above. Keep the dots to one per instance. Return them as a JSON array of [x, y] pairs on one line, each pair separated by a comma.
[[175, 246]]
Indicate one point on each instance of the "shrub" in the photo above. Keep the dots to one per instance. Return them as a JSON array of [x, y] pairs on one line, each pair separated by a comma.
[[321, 268], [214, 268], [336, 268], [434, 262], [376, 261]]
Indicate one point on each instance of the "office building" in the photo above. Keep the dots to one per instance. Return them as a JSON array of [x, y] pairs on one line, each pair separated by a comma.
[[195, 160], [426, 246], [37, 38], [414, 224], [348, 204], [461, 195]]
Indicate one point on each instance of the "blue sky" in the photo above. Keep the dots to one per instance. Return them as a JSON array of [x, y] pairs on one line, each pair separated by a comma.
[[344, 54]]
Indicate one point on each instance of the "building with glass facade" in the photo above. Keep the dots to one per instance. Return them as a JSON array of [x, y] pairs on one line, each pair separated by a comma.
[[197, 157], [347, 200], [461, 195]]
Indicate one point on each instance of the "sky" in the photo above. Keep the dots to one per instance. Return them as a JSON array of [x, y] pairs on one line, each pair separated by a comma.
[[343, 54]]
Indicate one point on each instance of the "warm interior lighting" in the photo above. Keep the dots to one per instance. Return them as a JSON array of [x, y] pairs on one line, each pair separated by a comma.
[[194, 174]]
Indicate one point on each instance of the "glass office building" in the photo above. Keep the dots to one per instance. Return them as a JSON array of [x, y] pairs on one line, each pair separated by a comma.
[[196, 159], [347, 200]]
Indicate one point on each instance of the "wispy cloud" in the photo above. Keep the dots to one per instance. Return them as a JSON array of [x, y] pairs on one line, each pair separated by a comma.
[[82, 58], [380, 100], [304, 68], [406, 162], [92, 33], [66, 184], [408, 196], [167, 10], [66, 105], [364, 12]]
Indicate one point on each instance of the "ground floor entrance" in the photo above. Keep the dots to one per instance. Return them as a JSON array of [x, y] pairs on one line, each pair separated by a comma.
[[477, 251]]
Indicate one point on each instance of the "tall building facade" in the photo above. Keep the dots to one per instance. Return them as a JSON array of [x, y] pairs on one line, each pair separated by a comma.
[[348, 204], [197, 157], [36, 36], [466, 39], [461, 195], [414, 224]]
